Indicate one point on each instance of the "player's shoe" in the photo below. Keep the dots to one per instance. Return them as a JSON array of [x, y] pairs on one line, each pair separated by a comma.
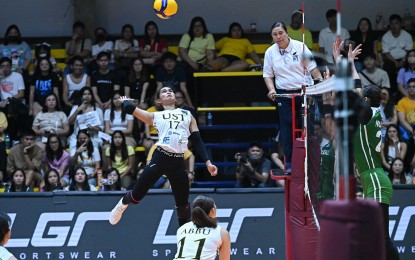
[[116, 212]]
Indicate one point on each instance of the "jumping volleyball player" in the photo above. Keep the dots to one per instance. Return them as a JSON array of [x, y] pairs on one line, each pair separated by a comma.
[[376, 184], [175, 127]]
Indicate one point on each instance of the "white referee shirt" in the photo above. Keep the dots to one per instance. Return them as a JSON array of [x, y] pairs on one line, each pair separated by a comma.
[[286, 66], [197, 243], [173, 129]]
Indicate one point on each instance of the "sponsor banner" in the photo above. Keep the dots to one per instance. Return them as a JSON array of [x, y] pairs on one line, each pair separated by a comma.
[[75, 225], [69, 226]]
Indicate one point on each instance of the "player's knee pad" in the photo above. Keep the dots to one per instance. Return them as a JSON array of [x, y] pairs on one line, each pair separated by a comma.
[[183, 211]]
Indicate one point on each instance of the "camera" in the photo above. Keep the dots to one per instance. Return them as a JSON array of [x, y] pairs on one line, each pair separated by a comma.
[[107, 182], [243, 157]]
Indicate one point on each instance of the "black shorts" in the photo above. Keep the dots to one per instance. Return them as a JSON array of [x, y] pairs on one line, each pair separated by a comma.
[[230, 58]]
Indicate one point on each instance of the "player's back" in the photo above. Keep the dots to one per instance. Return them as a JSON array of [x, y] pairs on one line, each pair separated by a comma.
[[198, 243]]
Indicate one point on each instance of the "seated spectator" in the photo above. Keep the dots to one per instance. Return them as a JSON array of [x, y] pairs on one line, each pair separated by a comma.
[[26, 156], [295, 30], [395, 43], [180, 103], [86, 155], [44, 82], [102, 44], [406, 111], [253, 169], [18, 182], [410, 176], [397, 172], [17, 50], [12, 96], [43, 50], [328, 35], [173, 76], [137, 84], [196, 47], [50, 121], [365, 36], [87, 115], [117, 119], [232, 52], [79, 181], [79, 45], [56, 158], [387, 110], [74, 82], [407, 72], [277, 153], [152, 46], [3, 147], [104, 81], [392, 148], [371, 75], [121, 157], [126, 49], [151, 134], [52, 181], [112, 181]]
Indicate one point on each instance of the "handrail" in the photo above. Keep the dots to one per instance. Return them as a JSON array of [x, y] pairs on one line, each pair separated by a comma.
[[227, 109]]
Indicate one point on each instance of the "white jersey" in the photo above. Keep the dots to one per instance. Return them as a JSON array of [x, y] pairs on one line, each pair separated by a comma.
[[173, 128], [4, 253], [197, 243]]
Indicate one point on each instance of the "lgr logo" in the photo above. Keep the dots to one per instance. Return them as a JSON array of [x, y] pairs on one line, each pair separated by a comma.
[[60, 232]]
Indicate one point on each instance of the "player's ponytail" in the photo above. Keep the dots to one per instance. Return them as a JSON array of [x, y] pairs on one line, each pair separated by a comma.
[[202, 205]]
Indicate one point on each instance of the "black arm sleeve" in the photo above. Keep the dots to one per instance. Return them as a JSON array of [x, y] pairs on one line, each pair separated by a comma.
[[199, 145], [129, 107]]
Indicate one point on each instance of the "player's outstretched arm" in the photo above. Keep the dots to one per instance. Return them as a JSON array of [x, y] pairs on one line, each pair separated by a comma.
[[141, 114]]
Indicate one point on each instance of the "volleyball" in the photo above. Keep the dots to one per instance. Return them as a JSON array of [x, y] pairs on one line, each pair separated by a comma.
[[165, 8]]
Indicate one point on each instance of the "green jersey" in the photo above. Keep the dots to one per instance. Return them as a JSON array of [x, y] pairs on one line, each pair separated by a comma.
[[326, 172], [367, 142]]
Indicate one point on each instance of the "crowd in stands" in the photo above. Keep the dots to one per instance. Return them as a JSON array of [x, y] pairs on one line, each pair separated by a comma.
[[65, 129]]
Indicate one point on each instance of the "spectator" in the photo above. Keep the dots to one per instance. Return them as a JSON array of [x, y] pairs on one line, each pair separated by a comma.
[[86, 155], [26, 156], [116, 118], [365, 36], [387, 110], [51, 120], [16, 50], [295, 30], [121, 157], [253, 169], [137, 84], [52, 181], [233, 50], [12, 96], [112, 181], [3, 155], [79, 45], [74, 82], [86, 116], [410, 176], [196, 47], [18, 182], [44, 82], [104, 81], [102, 44], [406, 111], [407, 72], [392, 148], [126, 49], [328, 35], [43, 50], [172, 76], [56, 158], [371, 75], [79, 181], [395, 43], [397, 173], [152, 46]]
